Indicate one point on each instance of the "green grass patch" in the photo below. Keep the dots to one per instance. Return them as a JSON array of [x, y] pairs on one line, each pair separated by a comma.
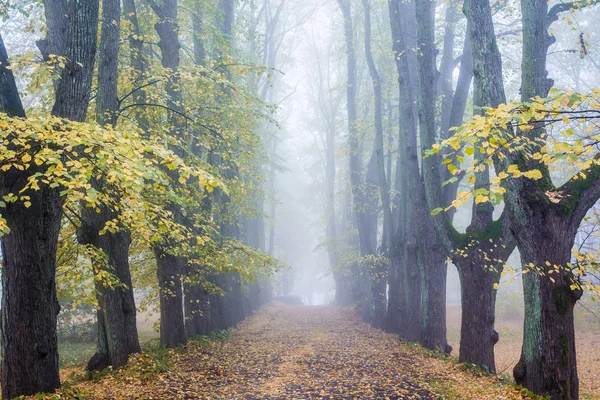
[[75, 354]]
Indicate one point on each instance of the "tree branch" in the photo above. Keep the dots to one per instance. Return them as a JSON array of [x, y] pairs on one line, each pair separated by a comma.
[[580, 194], [562, 7]]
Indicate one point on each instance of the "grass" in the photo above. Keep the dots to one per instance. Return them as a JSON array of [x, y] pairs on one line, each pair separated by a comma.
[[75, 354]]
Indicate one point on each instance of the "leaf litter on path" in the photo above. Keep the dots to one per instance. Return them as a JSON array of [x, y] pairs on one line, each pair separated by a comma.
[[299, 352]]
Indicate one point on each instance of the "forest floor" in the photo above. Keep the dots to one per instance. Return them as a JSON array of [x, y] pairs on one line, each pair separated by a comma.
[[294, 352], [508, 349]]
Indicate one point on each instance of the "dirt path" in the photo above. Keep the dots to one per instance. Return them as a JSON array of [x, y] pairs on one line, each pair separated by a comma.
[[298, 352]]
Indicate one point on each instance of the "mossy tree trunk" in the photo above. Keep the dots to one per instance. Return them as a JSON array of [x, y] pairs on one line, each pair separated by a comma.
[[548, 363]]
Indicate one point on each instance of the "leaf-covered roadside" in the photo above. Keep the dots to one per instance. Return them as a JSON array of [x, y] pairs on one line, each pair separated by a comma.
[[296, 352]]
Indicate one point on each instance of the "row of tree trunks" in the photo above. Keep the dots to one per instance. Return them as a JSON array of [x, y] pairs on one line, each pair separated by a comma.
[[225, 304]]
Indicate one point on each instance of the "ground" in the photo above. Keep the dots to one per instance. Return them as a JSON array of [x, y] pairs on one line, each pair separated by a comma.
[[509, 324], [295, 352]]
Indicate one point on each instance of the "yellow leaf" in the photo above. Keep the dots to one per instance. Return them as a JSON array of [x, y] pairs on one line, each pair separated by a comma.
[[481, 199], [512, 169]]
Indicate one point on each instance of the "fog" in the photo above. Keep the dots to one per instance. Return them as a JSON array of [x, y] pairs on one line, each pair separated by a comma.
[[430, 168]]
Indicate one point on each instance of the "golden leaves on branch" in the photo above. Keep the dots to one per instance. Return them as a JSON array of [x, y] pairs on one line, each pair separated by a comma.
[[556, 135]]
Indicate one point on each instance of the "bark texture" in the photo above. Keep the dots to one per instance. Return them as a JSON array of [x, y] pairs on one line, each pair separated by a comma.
[[30, 354], [404, 300], [117, 330], [170, 267]]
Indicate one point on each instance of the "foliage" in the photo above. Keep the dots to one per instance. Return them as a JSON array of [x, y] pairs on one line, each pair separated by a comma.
[[566, 147], [551, 141], [76, 324]]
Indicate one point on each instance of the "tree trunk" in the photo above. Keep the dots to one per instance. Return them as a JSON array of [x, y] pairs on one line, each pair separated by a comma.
[[479, 265], [404, 302], [117, 331], [545, 233], [379, 275], [29, 304], [172, 324], [169, 266], [477, 279], [30, 355], [478, 300], [360, 202], [548, 363], [197, 309], [432, 261]]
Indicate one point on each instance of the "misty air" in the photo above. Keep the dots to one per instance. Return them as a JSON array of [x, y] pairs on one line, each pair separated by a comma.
[[300, 199]]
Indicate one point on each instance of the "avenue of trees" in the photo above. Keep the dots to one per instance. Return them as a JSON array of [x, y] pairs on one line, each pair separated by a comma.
[[139, 160], [416, 127], [135, 140]]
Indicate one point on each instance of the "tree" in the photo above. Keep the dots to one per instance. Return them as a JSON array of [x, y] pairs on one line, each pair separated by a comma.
[[117, 331], [372, 276], [545, 233], [30, 306], [480, 253], [404, 303], [544, 218], [170, 266], [379, 279]]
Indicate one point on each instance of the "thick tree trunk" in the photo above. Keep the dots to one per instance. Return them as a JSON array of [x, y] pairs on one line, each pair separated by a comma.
[[478, 300], [117, 331], [172, 324], [404, 303], [29, 304], [545, 234], [478, 338], [548, 362]]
